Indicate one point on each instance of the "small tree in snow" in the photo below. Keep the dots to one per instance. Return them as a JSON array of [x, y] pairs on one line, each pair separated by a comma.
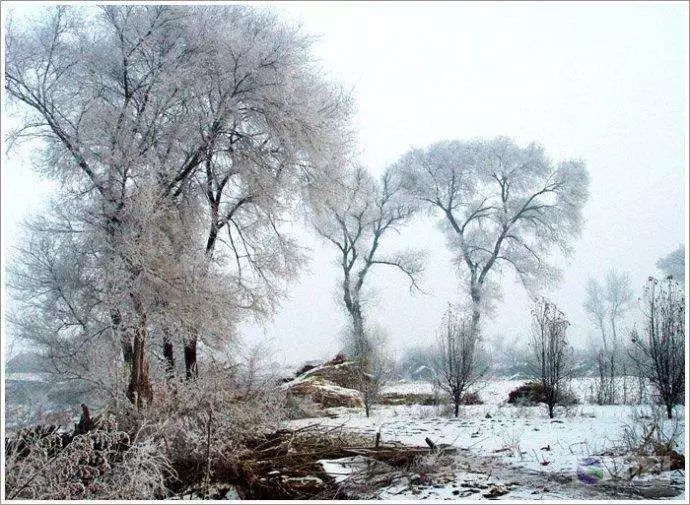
[[659, 353], [549, 351], [458, 362]]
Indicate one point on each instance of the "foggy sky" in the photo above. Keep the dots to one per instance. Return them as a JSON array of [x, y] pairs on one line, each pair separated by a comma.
[[603, 83]]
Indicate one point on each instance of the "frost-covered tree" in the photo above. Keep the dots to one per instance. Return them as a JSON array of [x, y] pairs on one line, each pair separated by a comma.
[[279, 128], [673, 264], [356, 217], [166, 125], [459, 361], [501, 205], [659, 352]]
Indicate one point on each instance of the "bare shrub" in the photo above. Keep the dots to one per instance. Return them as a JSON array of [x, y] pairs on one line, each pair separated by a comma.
[[646, 433], [659, 353], [207, 424], [535, 392], [511, 437], [459, 361], [550, 352], [649, 443]]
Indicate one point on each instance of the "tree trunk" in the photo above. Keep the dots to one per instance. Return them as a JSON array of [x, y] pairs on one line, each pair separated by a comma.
[[207, 476], [475, 295], [139, 389], [125, 342], [457, 408], [669, 410], [169, 358], [551, 405], [191, 370], [357, 321], [127, 351]]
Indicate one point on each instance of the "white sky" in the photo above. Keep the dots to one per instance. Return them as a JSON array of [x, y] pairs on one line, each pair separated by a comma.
[[603, 82]]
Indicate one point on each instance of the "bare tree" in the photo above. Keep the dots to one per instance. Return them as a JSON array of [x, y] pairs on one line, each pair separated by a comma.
[[550, 359], [501, 204], [355, 219], [607, 306], [459, 361], [659, 353]]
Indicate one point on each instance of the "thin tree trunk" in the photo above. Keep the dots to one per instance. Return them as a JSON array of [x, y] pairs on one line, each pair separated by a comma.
[[168, 354], [475, 295], [207, 477], [125, 342], [190, 365]]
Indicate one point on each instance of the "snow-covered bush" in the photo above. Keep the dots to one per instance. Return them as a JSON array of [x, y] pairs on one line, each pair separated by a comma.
[[207, 424], [101, 464]]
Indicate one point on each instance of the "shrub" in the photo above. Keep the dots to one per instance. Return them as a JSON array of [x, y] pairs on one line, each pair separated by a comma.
[[534, 393], [100, 464], [471, 399]]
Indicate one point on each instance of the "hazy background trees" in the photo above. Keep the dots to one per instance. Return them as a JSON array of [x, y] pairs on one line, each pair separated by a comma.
[[607, 304]]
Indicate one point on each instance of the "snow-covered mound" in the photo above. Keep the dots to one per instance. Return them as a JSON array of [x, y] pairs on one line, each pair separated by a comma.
[[330, 385]]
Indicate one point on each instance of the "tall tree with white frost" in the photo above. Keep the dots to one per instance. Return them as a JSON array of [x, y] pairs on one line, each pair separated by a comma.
[[355, 218], [159, 121], [500, 205]]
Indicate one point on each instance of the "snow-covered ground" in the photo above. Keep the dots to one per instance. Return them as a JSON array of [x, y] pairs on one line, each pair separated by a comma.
[[513, 436]]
